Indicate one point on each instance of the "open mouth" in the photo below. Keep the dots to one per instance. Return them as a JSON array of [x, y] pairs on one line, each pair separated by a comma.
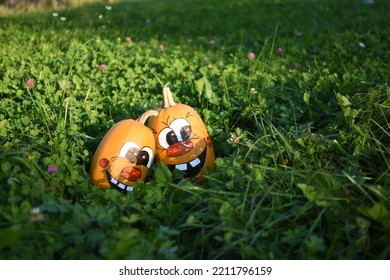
[[114, 183], [193, 167]]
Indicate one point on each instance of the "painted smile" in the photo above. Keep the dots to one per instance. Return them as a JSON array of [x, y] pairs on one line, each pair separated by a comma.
[[114, 183], [193, 167]]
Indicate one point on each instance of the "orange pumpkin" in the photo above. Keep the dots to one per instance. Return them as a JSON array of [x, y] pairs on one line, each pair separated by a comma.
[[182, 140], [124, 155]]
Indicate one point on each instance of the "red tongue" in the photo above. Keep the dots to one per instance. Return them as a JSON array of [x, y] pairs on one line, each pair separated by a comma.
[[131, 173]]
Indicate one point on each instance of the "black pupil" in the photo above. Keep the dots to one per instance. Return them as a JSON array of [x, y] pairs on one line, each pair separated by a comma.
[[171, 138], [185, 132], [143, 158]]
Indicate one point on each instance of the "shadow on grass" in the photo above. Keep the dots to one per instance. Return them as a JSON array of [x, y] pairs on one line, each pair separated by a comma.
[[245, 21], [151, 18]]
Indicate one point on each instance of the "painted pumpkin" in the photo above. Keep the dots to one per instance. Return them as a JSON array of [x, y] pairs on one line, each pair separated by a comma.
[[182, 140], [124, 155]]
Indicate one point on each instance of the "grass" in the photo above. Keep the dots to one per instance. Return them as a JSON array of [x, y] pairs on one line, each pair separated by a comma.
[[301, 134]]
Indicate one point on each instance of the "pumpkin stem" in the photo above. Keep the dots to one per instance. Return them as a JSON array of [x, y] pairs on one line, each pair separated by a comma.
[[142, 119], [168, 99]]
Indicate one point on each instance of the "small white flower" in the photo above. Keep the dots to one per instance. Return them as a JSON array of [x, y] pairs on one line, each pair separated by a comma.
[[63, 18], [35, 211], [36, 215], [253, 91], [362, 45], [100, 16], [235, 138], [55, 14], [109, 8]]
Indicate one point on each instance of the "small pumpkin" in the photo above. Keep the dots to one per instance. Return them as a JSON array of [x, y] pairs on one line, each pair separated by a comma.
[[182, 140], [124, 155]]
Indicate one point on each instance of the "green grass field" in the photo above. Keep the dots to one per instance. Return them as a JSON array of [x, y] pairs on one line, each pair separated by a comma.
[[294, 94]]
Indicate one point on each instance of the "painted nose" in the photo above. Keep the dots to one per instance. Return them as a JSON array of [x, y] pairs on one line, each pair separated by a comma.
[[179, 148], [104, 162], [131, 173]]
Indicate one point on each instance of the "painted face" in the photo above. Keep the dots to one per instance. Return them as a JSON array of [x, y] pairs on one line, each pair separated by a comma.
[[182, 140], [124, 156]]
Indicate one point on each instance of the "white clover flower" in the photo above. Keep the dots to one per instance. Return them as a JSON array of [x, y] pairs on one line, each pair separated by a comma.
[[253, 91], [36, 215], [63, 18], [35, 211], [108, 7], [55, 14], [234, 138]]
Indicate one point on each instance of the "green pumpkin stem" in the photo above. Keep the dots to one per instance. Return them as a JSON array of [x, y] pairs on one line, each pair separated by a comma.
[[142, 119], [168, 99]]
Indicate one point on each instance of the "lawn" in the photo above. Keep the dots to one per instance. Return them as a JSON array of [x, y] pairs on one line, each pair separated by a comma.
[[295, 97]]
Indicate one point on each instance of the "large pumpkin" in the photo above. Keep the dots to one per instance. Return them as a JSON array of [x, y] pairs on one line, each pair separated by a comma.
[[182, 140], [124, 155]]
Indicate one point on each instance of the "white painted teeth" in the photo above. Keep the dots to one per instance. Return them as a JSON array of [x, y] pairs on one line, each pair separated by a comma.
[[182, 167], [195, 162], [114, 181], [121, 186]]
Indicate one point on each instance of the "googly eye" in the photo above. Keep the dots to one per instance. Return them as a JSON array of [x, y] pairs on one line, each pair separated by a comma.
[[182, 129], [130, 150], [167, 137]]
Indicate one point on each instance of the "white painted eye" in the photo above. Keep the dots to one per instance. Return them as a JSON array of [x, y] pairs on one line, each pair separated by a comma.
[[182, 129], [167, 137], [129, 150], [145, 157]]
